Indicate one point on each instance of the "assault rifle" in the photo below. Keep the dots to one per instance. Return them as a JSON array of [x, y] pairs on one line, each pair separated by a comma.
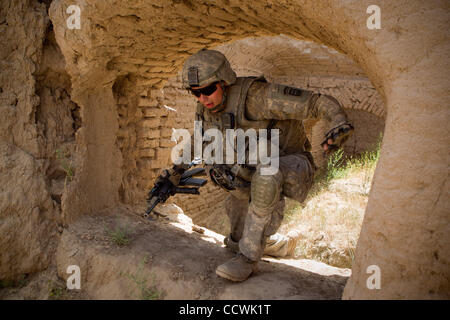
[[178, 179]]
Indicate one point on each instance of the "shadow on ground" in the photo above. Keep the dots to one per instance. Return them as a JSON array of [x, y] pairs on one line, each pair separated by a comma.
[[166, 260]]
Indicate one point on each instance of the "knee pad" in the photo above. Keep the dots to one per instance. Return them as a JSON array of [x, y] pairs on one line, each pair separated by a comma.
[[298, 175]]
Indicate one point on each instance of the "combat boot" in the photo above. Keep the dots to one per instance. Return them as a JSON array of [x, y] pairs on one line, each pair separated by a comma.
[[279, 245], [237, 269], [293, 237], [231, 244]]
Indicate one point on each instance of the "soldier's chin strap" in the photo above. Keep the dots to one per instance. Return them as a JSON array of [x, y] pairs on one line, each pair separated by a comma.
[[220, 106]]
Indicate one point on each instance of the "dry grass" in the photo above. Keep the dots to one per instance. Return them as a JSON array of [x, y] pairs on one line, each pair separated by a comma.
[[331, 217]]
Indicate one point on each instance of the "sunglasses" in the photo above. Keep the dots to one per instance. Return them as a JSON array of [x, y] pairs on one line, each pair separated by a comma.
[[207, 91]]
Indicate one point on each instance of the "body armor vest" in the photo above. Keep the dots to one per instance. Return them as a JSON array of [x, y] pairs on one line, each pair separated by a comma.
[[292, 137]]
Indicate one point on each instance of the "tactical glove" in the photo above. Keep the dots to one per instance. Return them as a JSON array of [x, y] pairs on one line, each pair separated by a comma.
[[339, 135], [174, 173]]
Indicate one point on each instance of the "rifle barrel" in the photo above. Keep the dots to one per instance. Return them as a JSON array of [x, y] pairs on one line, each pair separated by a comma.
[[153, 204]]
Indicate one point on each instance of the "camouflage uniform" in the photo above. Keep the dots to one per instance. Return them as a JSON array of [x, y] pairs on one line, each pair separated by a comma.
[[256, 204]]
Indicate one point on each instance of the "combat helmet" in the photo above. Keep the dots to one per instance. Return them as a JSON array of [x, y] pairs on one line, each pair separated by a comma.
[[205, 67]]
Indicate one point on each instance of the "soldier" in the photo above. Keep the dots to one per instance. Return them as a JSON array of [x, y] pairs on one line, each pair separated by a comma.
[[256, 202]]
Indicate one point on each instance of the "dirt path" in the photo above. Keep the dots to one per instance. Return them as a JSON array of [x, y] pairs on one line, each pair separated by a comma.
[[123, 256], [168, 260]]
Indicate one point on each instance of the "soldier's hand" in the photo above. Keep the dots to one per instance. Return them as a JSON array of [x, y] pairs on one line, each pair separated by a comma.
[[175, 173], [336, 137], [180, 168], [326, 145]]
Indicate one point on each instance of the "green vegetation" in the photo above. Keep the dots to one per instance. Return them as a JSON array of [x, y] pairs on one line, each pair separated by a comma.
[[144, 291], [19, 282], [120, 236], [331, 217], [339, 167], [55, 290]]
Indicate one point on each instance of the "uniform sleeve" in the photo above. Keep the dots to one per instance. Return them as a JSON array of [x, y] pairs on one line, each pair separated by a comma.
[[274, 101]]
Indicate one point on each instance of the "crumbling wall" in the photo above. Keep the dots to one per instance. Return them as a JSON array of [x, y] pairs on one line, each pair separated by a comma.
[[57, 117], [36, 121]]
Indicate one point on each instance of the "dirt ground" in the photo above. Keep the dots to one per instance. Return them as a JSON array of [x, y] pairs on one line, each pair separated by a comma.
[[124, 256], [45, 285]]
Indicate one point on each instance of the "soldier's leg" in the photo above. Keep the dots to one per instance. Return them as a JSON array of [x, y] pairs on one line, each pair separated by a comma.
[[298, 176], [259, 226], [236, 209], [263, 219], [277, 245]]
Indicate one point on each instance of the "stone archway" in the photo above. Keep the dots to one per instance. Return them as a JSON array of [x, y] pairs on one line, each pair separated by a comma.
[[404, 60], [124, 52], [406, 213]]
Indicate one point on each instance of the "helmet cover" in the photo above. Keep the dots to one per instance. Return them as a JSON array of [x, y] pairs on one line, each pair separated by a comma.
[[205, 67]]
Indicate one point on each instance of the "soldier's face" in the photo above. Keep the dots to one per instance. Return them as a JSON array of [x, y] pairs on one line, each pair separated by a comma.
[[212, 100]]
